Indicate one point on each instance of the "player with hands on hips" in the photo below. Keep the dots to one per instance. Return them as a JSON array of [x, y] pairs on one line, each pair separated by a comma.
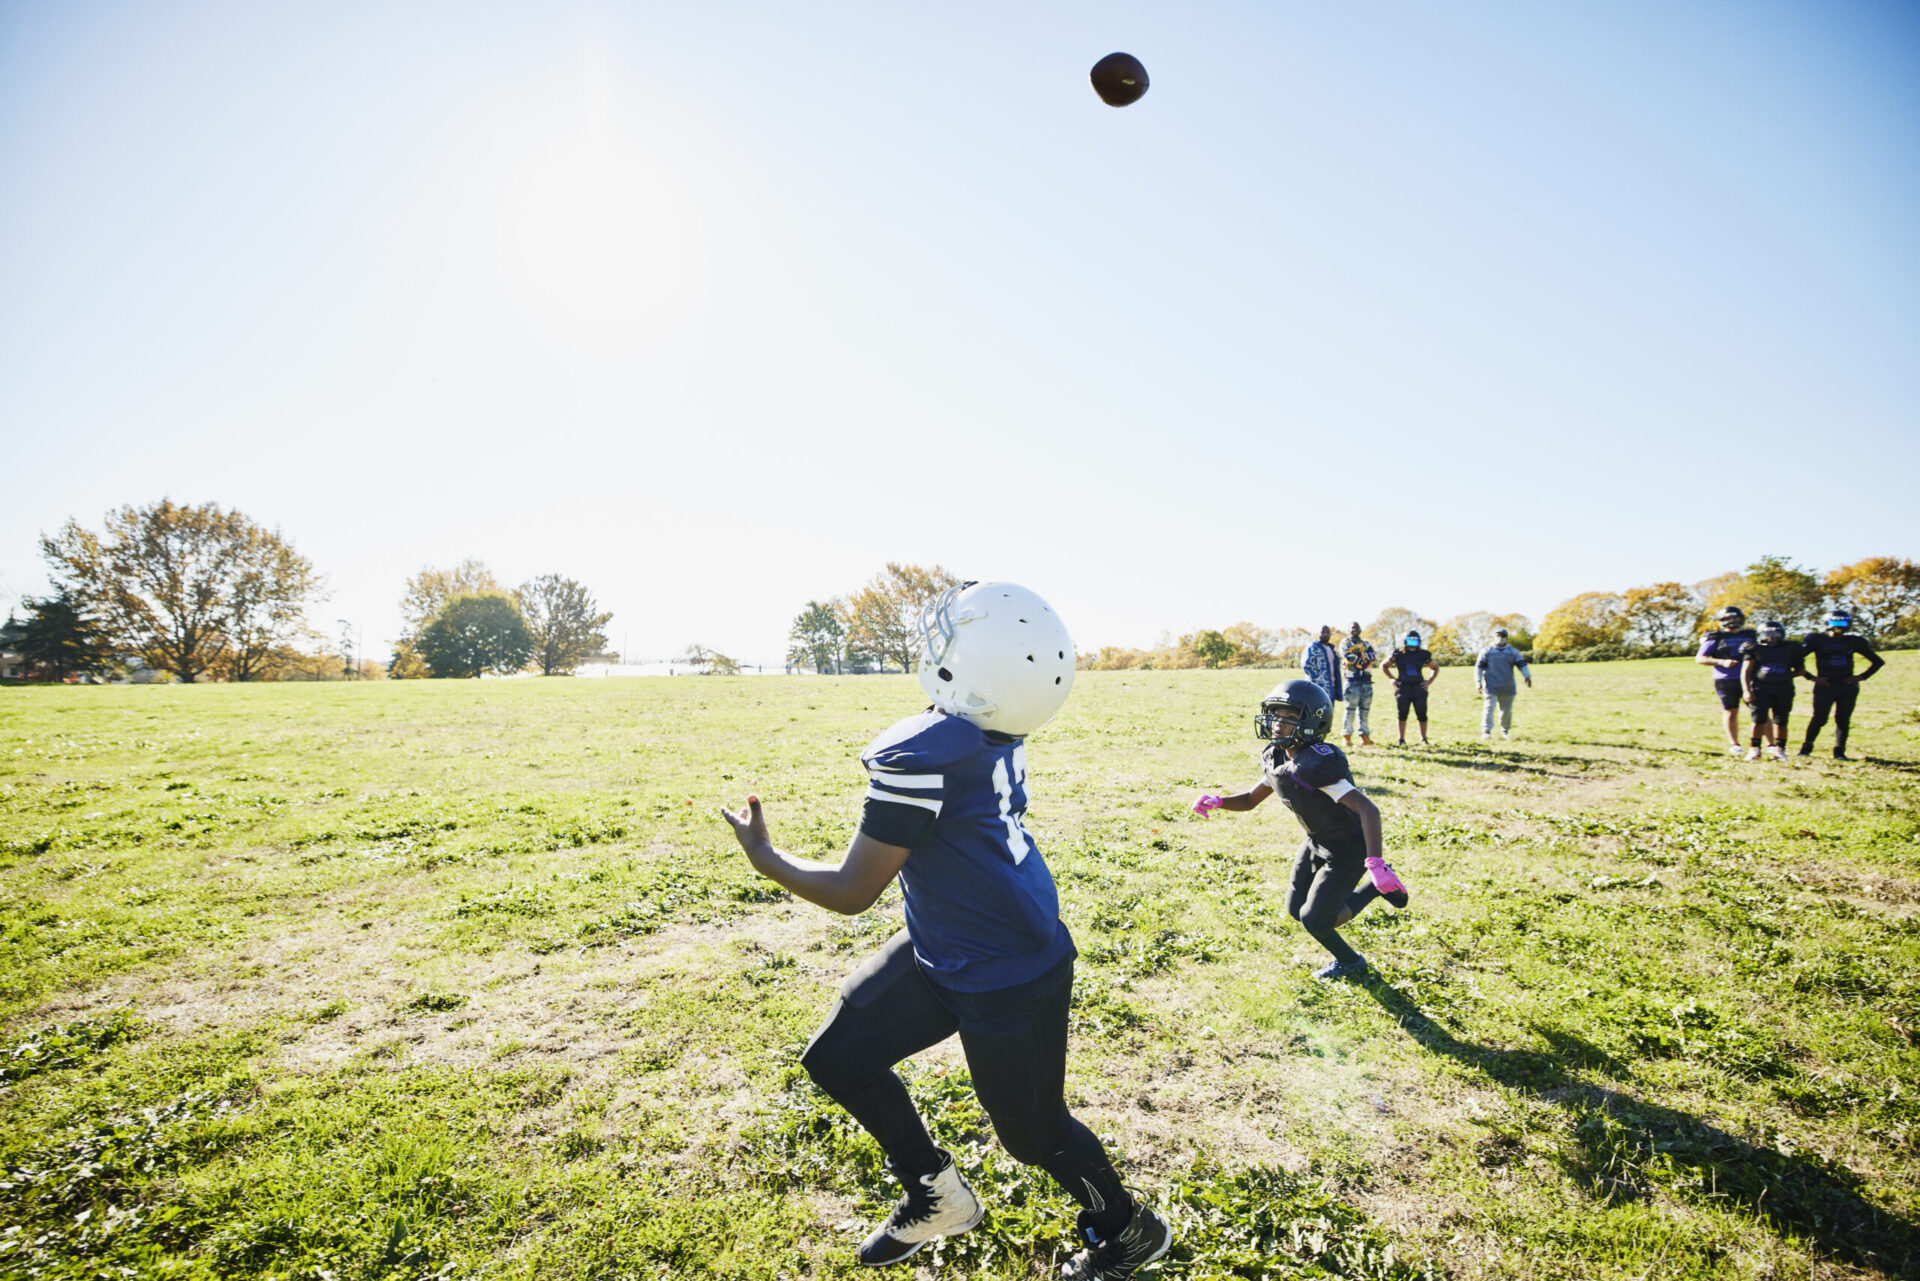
[[1405, 664], [1835, 686], [1343, 846], [984, 952]]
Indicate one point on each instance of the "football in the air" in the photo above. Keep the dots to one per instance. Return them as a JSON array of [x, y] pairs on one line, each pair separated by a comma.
[[1119, 79]]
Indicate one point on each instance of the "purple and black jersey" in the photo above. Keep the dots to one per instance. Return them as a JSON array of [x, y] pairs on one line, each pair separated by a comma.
[[1774, 664], [1311, 785], [981, 905], [1725, 649]]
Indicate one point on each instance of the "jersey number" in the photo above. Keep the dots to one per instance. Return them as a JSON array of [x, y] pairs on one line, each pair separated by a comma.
[[1018, 843]]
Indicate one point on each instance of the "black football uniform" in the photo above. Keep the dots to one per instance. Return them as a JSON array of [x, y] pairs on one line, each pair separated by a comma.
[[1409, 683], [1334, 857], [1725, 648], [1772, 668], [1835, 686]]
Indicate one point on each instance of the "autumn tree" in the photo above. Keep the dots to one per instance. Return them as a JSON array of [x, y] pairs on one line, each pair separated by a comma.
[[1661, 614], [427, 593], [267, 614], [1591, 618], [1519, 629], [59, 637], [716, 663], [185, 587], [565, 623], [474, 633], [1464, 635], [1881, 593], [1775, 587], [1210, 647], [1393, 624], [883, 618], [815, 638]]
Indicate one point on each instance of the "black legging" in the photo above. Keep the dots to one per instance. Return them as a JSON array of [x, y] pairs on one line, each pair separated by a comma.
[[1840, 699], [1016, 1045], [1324, 878]]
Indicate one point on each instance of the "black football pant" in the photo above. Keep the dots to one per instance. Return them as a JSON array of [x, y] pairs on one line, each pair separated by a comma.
[[1016, 1045], [1324, 877], [1840, 700]]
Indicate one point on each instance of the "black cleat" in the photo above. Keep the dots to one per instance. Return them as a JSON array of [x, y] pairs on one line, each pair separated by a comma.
[[936, 1205], [1144, 1239]]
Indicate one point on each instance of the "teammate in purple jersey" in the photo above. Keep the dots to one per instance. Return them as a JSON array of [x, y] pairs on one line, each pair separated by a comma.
[[984, 952]]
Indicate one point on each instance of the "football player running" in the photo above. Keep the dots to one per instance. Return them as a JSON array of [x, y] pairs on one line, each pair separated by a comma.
[[984, 952], [1343, 845], [1835, 686], [1766, 678], [1723, 650]]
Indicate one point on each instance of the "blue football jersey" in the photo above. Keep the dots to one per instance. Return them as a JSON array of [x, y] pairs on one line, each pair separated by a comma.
[[981, 905]]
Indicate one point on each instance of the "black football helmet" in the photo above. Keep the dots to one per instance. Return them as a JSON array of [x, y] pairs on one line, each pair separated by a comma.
[[1733, 618], [1294, 714], [1772, 632]]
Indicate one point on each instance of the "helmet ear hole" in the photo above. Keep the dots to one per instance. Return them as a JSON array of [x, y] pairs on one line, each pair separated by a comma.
[[946, 675], [1029, 658], [1056, 680]]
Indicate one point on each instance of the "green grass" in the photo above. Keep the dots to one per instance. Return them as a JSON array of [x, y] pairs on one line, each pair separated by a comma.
[[466, 979]]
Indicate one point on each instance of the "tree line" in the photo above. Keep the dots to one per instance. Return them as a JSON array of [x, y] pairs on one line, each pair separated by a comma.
[[207, 592], [1880, 593]]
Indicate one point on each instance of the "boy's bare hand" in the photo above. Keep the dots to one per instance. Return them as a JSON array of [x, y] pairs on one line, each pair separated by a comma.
[[749, 825]]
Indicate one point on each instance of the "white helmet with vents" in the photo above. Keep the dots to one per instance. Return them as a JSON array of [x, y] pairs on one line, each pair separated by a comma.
[[996, 654]]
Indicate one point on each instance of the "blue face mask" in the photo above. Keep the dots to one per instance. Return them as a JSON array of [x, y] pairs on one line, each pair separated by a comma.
[[1412, 641], [1840, 624]]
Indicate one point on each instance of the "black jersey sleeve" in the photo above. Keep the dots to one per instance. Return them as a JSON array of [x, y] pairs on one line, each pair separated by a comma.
[[1321, 765], [893, 823]]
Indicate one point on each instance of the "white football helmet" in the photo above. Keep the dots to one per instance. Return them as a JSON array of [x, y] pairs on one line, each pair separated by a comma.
[[996, 654]]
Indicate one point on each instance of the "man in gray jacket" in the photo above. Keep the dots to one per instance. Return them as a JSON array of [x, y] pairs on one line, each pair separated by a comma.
[[1493, 677]]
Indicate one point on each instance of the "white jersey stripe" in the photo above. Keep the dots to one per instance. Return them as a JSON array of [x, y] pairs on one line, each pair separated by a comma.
[[875, 794], [1338, 788], [908, 780]]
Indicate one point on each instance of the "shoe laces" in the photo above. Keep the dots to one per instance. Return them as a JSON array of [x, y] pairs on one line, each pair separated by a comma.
[[915, 1207]]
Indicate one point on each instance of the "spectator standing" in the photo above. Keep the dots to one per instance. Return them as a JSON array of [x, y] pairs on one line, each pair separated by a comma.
[[1493, 678], [1410, 688], [1360, 660], [1321, 662], [1724, 650], [1835, 687]]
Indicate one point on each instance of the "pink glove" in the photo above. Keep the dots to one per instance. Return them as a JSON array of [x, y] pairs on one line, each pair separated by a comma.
[[1384, 879], [1207, 805]]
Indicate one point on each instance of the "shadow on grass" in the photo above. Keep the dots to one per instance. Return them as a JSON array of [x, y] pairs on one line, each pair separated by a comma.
[[1624, 1145], [1905, 767]]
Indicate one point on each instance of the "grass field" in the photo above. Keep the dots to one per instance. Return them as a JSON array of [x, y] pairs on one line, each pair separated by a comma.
[[425, 979]]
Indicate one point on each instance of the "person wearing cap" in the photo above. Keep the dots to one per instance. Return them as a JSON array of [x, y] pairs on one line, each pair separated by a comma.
[[1359, 659], [1835, 686], [1493, 679], [1724, 650], [1405, 665], [1321, 663]]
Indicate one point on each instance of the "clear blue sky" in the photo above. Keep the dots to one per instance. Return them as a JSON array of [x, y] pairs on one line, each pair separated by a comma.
[[717, 307]]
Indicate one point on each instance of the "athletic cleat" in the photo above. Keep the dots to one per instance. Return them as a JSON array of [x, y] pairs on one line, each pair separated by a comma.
[[936, 1205], [1344, 970], [1753, 753], [1387, 881], [1840, 754], [1506, 733], [1777, 752], [1144, 1239], [1735, 750], [1805, 752]]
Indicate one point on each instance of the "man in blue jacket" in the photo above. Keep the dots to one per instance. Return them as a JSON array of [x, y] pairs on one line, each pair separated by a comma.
[[1321, 663], [1493, 677]]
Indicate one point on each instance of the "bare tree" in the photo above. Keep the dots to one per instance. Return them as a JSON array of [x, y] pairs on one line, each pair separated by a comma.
[[565, 621]]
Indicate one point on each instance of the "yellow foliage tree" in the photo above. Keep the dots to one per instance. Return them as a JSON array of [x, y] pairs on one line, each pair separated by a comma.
[[1591, 618]]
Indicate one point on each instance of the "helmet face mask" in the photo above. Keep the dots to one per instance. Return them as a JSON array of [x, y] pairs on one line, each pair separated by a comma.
[[1294, 714], [1772, 632], [1411, 640], [1839, 622], [1732, 617], [997, 655]]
